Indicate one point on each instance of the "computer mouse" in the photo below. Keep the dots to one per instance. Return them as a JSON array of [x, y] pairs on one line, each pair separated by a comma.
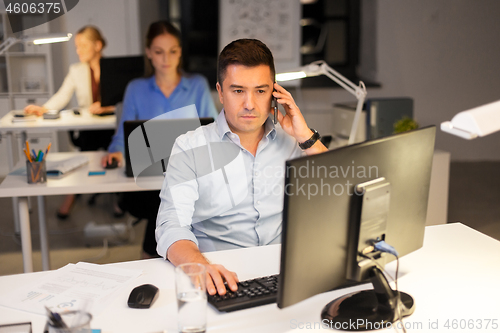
[[142, 297], [112, 165]]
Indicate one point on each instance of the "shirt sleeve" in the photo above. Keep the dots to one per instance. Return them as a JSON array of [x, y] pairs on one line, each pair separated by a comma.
[[62, 97], [205, 103], [129, 112], [178, 196]]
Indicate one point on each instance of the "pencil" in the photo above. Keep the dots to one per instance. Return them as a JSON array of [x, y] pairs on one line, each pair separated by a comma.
[[27, 146], [48, 148], [27, 155], [37, 174]]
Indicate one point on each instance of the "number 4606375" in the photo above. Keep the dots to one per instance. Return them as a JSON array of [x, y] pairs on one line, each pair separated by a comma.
[[33, 8]]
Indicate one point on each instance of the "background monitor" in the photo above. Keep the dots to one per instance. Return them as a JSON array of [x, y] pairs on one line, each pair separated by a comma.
[[116, 73], [325, 223]]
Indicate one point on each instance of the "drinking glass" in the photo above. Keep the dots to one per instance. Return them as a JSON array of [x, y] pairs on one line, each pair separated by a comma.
[[190, 287]]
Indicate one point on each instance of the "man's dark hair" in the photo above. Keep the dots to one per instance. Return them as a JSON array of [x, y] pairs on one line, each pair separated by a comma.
[[246, 52]]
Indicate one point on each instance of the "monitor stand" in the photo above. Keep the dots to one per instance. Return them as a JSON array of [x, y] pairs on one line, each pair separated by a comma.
[[368, 309]]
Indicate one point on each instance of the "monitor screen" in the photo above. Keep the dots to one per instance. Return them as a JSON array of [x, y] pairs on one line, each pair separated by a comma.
[[326, 221], [116, 73]]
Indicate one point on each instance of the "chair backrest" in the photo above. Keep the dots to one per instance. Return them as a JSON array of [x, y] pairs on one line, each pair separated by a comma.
[[118, 112]]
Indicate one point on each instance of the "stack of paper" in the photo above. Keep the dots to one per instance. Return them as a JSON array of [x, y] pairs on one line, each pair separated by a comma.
[[71, 287]]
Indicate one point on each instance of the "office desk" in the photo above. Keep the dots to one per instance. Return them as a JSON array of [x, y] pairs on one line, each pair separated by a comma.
[[454, 276], [67, 121], [77, 181]]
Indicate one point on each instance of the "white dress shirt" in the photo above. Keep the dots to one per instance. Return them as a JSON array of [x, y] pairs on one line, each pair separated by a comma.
[[218, 195]]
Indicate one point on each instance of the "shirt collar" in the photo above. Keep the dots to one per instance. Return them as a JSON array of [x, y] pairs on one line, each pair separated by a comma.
[[223, 127]]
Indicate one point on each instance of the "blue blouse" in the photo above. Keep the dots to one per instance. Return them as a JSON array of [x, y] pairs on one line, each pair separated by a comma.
[[144, 100]]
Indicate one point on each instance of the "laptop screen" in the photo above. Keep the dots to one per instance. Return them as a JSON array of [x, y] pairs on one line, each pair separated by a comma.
[[142, 144]]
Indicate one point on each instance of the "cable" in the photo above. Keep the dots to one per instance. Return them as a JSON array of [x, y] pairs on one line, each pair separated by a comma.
[[382, 246]]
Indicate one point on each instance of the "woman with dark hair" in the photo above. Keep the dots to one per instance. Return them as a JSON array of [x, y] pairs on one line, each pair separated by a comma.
[[83, 79], [165, 88]]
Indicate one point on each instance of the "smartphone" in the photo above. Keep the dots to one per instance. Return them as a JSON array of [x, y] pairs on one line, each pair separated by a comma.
[[19, 114], [51, 114], [274, 105]]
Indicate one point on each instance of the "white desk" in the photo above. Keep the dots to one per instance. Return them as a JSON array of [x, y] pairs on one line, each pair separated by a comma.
[[67, 121], [454, 276], [77, 181]]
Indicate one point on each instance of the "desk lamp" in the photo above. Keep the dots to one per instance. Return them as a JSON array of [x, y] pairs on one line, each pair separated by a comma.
[[37, 40], [480, 121], [321, 68]]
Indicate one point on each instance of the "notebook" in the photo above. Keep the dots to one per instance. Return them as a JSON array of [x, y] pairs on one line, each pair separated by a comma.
[[167, 130], [61, 167]]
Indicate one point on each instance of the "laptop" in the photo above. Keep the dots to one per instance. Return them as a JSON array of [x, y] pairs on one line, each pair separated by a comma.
[[152, 139]]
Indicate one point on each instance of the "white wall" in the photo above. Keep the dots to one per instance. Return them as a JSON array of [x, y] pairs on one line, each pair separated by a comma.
[[443, 53]]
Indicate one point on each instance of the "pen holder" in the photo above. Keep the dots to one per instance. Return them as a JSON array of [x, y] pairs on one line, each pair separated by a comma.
[[36, 172]]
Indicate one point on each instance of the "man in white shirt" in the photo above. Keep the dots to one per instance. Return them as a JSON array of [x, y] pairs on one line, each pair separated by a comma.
[[237, 203]]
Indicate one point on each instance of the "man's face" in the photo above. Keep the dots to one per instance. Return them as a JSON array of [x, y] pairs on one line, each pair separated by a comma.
[[246, 94]]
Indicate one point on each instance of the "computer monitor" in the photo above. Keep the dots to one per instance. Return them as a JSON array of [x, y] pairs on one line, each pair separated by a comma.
[[116, 73], [328, 220]]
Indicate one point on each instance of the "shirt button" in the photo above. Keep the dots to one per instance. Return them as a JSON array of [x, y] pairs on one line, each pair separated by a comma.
[[257, 173], [258, 202]]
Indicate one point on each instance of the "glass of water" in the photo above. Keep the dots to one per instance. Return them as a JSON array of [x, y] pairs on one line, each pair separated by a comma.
[[190, 287]]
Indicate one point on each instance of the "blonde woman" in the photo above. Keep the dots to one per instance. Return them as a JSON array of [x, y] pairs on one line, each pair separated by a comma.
[[83, 79]]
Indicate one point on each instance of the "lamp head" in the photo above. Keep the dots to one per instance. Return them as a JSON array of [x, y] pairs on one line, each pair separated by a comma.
[[479, 121], [49, 38], [313, 69]]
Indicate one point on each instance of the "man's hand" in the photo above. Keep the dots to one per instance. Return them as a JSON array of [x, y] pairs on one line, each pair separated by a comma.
[[293, 123], [96, 108], [216, 274], [109, 158], [185, 251], [35, 109]]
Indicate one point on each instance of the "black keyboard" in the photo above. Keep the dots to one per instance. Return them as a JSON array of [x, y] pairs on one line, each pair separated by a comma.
[[250, 293]]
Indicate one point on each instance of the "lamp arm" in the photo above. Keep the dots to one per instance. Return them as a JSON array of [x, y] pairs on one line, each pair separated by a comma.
[[358, 91], [338, 78], [7, 44], [357, 115]]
